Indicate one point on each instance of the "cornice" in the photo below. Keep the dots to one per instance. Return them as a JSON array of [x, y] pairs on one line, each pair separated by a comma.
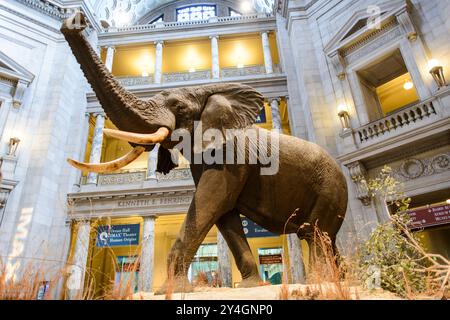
[[57, 11]]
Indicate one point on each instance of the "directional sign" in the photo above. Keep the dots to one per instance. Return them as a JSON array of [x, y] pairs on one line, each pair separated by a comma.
[[118, 235], [252, 230], [429, 216]]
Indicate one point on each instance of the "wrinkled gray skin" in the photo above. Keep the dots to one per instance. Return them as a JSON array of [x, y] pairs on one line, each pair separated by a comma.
[[308, 178]]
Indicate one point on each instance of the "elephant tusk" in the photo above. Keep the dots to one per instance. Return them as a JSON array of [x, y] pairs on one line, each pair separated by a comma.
[[109, 166], [139, 138]]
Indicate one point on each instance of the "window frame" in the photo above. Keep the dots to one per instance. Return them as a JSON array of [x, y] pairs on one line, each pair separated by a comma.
[[177, 11], [155, 20]]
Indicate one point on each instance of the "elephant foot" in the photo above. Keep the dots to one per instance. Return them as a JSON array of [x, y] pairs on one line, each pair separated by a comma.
[[179, 284], [252, 281]]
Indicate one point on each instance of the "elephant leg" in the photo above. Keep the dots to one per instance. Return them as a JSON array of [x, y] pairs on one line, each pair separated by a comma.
[[325, 248], [216, 194], [230, 226]]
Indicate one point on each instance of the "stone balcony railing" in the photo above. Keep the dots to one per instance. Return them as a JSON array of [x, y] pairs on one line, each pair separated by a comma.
[[186, 76], [138, 176], [417, 114], [251, 70], [135, 81], [183, 24]]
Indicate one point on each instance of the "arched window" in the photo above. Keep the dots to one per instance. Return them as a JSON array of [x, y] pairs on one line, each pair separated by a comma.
[[159, 19], [234, 13], [196, 12]]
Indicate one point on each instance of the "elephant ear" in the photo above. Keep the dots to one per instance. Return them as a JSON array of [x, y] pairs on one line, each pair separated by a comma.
[[165, 163], [229, 106]]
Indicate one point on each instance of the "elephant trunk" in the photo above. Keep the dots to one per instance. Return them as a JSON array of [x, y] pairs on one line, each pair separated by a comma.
[[120, 105]]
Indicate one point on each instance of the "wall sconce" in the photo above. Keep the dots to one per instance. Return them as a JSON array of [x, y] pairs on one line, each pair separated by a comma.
[[13, 144], [437, 71], [344, 116]]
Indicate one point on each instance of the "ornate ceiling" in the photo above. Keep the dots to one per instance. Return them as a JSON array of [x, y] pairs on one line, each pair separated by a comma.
[[127, 12]]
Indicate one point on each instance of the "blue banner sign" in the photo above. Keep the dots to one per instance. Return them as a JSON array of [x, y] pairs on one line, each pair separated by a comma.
[[252, 230], [118, 235], [261, 118]]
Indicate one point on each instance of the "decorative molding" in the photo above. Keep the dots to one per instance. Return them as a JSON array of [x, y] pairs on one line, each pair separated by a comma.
[[406, 23], [411, 115], [121, 178], [187, 76], [176, 174], [339, 65], [48, 8], [247, 71], [164, 26], [135, 81], [414, 168], [358, 174], [34, 21]]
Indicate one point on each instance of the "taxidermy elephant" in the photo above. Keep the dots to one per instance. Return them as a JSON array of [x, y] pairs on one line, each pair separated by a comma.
[[307, 180]]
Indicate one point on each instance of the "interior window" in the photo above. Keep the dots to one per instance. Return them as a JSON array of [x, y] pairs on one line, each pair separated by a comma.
[[387, 86], [159, 19], [197, 12], [234, 13]]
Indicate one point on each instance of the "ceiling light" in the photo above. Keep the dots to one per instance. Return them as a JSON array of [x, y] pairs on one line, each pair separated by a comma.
[[408, 85]]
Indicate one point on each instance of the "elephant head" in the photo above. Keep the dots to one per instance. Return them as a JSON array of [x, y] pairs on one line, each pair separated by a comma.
[[144, 123]]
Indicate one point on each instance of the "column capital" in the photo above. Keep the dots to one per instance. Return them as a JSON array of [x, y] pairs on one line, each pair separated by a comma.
[[161, 42], [265, 32], [97, 114], [112, 48], [272, 99], [214, 36]]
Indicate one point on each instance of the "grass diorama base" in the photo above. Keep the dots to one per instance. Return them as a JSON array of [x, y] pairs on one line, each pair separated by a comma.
[[270, 292]]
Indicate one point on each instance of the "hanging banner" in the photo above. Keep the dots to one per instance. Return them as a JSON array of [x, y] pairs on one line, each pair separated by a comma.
[[430, 216], [118, 235], [252, 230]]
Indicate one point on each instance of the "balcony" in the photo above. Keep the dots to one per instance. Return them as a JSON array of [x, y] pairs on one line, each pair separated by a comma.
[[134, 177], [160, 26], [404, 120], [200, 75]]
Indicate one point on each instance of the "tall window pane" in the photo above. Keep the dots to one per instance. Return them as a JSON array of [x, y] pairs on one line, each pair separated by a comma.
[[195, 13]]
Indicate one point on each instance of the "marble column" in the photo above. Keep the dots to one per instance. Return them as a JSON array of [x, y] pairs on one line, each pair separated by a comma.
[[77, 271], [215, 56], [266, 51], [85, 135], [275, 111], [296, 265], [109, 58], [158, 61], [152, 162], [145, 281], [223, 260], [96, 148]]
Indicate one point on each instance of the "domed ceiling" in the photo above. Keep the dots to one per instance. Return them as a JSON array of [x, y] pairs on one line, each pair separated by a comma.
[[127, 12]]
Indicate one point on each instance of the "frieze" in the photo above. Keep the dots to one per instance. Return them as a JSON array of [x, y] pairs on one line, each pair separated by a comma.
[[370, 44], [121, 178], [169, 200], [414, 168]]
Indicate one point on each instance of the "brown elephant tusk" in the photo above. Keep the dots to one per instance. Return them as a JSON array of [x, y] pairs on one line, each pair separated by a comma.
[[139, 138], [109, 166]]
